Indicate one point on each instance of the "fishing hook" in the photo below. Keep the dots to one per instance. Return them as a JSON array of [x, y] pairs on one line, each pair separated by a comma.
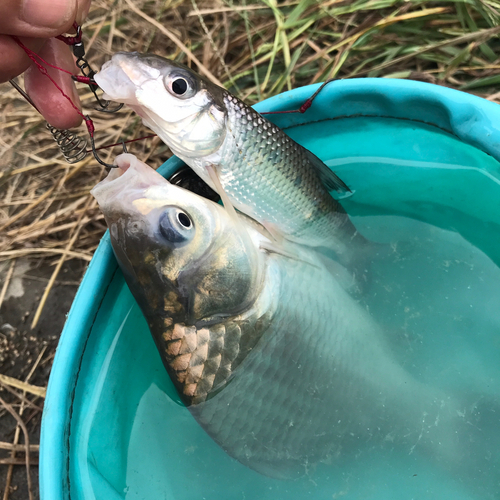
[[97, 157], [23, 93], [88, 73]]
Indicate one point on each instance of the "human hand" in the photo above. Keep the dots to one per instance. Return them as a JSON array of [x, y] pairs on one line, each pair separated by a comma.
[[36, 23]]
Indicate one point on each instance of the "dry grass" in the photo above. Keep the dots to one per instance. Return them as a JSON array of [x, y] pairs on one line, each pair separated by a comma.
[[254, 49]]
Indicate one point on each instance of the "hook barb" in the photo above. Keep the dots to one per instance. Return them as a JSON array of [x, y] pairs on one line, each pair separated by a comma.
[[103, 106], [96, 156], [99, 160]]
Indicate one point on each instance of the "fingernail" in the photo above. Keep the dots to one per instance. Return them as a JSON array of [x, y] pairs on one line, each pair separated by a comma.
[[48, 13]]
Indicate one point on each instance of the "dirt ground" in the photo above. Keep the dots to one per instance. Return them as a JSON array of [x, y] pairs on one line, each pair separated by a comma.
[[22, 349]]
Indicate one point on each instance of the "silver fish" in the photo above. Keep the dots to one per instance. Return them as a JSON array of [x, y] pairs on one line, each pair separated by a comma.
[[272, 357], [264, 173]]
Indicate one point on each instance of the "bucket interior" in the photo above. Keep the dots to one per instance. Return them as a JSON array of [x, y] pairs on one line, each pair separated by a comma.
[[129, 435]]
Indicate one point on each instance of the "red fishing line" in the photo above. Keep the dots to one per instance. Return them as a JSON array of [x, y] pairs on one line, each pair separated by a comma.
[[72, 40], [307, 104], [122, 142], [79, 51], [34, 57], [84, 79], [75, 40]]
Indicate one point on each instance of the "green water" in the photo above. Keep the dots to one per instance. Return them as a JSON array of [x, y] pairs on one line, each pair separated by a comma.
[[436, 203]]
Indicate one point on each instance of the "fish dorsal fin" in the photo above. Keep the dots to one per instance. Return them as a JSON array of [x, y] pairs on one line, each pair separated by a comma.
[[329, 178]]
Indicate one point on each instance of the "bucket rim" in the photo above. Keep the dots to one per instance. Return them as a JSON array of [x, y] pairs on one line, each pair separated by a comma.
[[468, 117]]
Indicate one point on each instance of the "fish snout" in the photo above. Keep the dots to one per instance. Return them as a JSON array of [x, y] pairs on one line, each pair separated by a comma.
[[125, 184], [121, 76]]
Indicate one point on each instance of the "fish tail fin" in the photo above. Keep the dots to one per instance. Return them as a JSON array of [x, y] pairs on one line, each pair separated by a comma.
[[351, 263], [328, 177], [361, 258]]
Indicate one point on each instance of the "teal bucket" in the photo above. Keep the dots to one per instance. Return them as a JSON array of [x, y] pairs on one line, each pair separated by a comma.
[[113, 426]]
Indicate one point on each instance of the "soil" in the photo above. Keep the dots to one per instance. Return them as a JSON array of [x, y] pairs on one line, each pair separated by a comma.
[[20, 347]]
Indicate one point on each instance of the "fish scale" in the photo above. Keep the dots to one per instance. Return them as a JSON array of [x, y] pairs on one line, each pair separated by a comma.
[[290, 194], [299, 397]]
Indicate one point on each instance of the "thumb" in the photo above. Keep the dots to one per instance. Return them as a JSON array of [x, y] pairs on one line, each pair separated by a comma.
[[38, 18], [82, 10]]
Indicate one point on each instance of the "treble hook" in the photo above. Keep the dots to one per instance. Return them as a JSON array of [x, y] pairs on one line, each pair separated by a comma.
[[88, 73]]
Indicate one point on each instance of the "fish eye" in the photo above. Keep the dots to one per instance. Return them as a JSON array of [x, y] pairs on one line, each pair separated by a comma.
[[175, 225], [179, 86], [184, 219]]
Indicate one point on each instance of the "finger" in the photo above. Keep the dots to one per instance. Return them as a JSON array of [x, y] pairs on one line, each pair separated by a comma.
[[82, 10], [13, 59], [37, 18], [54, 107]]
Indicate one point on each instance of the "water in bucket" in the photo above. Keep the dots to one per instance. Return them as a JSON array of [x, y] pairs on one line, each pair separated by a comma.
[[436, 202]]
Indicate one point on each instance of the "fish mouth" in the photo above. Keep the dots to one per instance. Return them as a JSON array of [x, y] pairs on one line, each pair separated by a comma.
[[122, 75], [125, 183]]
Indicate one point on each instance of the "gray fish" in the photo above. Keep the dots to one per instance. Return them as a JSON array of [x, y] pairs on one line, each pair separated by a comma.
[[272, 357], [263, 172]]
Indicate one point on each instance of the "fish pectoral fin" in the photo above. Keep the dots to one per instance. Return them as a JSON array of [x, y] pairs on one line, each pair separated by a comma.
[[289, 252], [214, 177], [329, 178]]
